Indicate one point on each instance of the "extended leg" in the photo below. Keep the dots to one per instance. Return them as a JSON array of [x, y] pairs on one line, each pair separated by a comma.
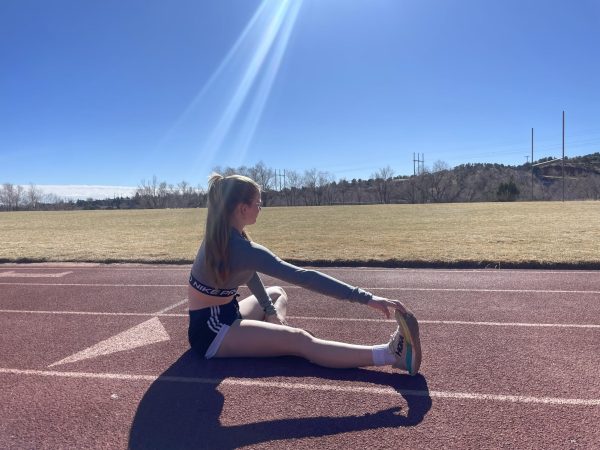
[[251, 338]]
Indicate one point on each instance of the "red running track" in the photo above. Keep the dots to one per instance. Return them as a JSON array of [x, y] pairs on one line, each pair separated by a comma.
[[97, 357]]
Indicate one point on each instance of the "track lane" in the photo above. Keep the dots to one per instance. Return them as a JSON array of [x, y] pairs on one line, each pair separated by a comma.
[[363, 277], [83, 412], [490, 360]]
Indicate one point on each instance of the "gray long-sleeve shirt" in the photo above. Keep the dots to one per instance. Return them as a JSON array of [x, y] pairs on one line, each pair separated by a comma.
[[247, 259]]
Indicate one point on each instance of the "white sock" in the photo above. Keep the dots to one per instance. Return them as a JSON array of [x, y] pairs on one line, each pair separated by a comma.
[[382, 355]]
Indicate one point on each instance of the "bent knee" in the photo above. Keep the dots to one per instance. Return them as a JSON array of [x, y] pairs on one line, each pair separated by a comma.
[[277, 292]]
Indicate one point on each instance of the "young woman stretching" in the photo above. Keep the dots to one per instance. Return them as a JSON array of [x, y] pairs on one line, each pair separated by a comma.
[[222, 327]]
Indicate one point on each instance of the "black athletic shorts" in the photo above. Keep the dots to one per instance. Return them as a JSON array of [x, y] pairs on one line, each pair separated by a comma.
[[208, 326]]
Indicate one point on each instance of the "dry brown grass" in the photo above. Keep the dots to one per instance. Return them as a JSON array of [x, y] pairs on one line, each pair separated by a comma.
[[450, 234]]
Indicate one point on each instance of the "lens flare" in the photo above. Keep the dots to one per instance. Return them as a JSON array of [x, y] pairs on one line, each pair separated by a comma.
[[224, 115], [264, 88]]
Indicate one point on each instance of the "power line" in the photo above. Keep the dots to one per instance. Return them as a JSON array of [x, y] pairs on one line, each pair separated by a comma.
[[420, 163]]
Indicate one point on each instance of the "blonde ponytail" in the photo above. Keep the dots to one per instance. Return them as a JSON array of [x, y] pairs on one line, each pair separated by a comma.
[[224, 194]]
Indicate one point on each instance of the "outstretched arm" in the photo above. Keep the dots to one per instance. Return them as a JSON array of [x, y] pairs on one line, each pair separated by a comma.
[[261, 259]]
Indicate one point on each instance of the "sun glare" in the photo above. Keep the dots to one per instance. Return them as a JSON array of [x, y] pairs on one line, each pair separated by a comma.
[[229, 106]]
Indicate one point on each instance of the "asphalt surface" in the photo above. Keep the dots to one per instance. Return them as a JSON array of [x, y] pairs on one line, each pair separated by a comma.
[[97, 357]]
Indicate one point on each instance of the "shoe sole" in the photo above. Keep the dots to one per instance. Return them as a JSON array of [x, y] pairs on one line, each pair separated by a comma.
[[410, 330]]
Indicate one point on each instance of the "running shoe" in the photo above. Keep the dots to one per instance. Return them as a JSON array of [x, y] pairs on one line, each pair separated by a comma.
[[405, 343]]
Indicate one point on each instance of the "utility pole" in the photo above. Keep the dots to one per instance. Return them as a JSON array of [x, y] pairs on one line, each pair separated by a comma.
[[414, 165], [532, 164], [563, 156], [417, 161], [419, 168], [278, 176]]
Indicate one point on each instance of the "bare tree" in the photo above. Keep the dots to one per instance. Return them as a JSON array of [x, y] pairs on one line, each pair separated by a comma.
[[324, 191], [317, 185], [183, 194], [33, 196], [590, 188], [162, 194], [342, 188], [184, 188], [19, 196], [383, 179], [4, 196], [441, 182], [310, 183], [293, 185], [148, 193], [263, 175], [260, 173], [11, 196], [356, 186]]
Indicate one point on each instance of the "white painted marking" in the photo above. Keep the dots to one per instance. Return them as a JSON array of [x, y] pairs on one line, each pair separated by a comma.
[[13, 274], [33, 266], [331, 319], [81, 313], [457, 322], [95, 285], [311, 387], [169, 308], [489, 271], [95, 267], [406, 289], [146, 333], [519, 291], [510, 324], [186, 267]]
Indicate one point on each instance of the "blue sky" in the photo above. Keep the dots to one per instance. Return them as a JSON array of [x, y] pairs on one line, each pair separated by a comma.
[[113, 92]]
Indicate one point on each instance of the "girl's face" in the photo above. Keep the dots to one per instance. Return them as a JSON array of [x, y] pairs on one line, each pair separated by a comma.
[[254, 209], [248, 212]]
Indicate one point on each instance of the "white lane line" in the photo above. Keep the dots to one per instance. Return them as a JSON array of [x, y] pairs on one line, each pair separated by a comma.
[[13, 274], [94, 285], [517, 291], [489, 271], [169, 308], [310, 387], [186, 267], [97, 266], [457, 322], [374, 288], [527, 291], [81, 313], [331, 319]]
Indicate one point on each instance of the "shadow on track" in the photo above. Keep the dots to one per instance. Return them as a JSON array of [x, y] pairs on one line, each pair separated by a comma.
[[177, 414]]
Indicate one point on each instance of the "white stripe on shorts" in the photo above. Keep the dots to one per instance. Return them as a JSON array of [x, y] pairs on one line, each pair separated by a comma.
[[213, 322], [216, 343]]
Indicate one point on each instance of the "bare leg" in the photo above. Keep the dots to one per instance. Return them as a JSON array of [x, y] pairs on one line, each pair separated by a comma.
[[251, 338], [251, 309]]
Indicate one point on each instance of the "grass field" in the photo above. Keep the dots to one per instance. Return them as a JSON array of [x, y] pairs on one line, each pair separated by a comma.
[[474, 234]]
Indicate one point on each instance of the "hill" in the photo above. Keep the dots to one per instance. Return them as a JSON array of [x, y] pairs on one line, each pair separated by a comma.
[[545, 179]]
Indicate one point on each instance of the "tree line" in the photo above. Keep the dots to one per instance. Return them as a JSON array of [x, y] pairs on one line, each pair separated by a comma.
[[313, 187]]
